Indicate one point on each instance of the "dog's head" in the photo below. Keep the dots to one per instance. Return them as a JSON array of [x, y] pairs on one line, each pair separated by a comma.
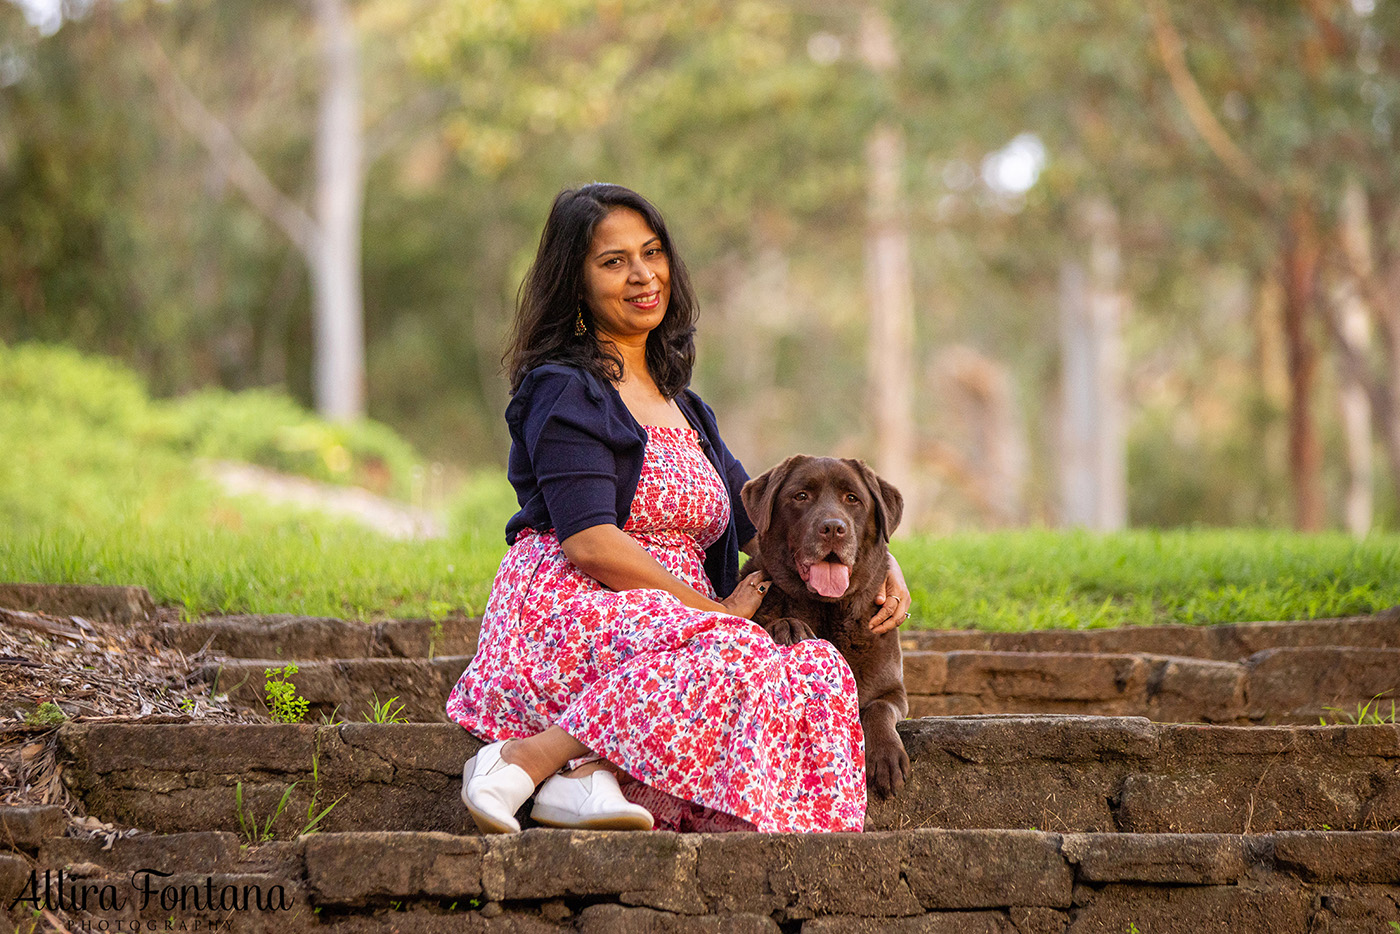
[[823, 524]]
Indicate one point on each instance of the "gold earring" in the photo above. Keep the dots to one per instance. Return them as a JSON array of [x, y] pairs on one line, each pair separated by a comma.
[[580, 328]]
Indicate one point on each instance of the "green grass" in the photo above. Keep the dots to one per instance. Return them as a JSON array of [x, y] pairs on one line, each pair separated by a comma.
[[1006, 581], [98, 485], [307, 566], [1077, 580]]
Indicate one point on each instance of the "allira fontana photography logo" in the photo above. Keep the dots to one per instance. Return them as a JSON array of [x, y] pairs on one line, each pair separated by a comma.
[[149, 890]]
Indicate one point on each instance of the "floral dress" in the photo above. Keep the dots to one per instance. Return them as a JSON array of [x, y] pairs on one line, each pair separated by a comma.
[[720, 727]]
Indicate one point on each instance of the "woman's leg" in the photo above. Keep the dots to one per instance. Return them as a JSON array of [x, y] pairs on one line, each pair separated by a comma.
[[544, 753]]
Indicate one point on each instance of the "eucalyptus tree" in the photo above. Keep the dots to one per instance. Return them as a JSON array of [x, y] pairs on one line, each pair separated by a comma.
[[1294, 105]]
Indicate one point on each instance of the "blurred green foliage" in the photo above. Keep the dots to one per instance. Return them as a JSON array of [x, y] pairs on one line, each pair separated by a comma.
[[87, 442], [270, 429], [746, 121]]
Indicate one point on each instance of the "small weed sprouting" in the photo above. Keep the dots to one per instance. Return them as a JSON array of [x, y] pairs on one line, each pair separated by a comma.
[[434, 638], [328, 719], [385, 712], [1395, 926], [260, 832], [312, 816], [1132, 928], [254, 831], [283, 704], [46, 714], [189, 705], [1364, 715]]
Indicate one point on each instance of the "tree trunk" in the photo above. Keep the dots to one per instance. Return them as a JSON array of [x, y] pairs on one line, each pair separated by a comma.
[[889, 279], [330, 241], [1301, 258], [1353, 333], [1093, 446], [977, 397], [335, 266]]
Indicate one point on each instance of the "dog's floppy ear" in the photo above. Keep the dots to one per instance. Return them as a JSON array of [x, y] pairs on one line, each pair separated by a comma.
[[758, 494], [889, 502]]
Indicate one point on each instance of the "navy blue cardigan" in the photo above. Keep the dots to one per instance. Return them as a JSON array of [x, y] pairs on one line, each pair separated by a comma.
[[576, 458]]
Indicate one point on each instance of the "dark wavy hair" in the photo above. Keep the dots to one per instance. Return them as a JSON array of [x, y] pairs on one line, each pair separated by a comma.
[[548, 303]]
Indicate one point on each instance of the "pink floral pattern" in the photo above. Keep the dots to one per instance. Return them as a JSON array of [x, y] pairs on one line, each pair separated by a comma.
[[697, 706]]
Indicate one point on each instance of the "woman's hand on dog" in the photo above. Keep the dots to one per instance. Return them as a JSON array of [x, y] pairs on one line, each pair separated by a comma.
[[745, 599], [893, 600]]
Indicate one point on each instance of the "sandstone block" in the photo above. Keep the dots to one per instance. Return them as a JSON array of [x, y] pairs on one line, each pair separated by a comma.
[[1017, 738], [25, 828], [805, 875], [925, 672], [934, 922], [14, 876], [1190, 689], [962, 869], [1181, 741], [616, 919], [1038, 921], [1355, 908], [436, 747], [179, 747], [656, 870], [209, 851], [280, 637], [422, 638], [1173, 910], [1194, 859], [361, 868], [1046, 676], [1302, 682], [124, 605], [945, 792], [1355, 856], [1243, 794], [945, 705]]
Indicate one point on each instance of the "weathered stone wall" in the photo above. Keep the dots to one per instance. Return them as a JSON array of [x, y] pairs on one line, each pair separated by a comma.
[[994, 881], [344, 667], [1059, 773], [1226, 642]]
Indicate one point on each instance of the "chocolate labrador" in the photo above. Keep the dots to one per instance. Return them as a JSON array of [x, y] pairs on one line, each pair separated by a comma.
[[824, 527]]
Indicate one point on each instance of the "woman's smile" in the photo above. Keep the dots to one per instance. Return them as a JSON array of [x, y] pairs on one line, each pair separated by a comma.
[[646, 301], [626, 277]]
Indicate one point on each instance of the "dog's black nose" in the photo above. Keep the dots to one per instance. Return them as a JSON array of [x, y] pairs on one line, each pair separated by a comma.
[[834, 527]]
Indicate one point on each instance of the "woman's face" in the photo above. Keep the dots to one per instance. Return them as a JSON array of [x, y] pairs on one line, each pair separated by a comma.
[[626, 277]]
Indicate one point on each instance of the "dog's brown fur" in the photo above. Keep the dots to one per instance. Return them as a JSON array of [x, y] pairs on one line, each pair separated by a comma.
[[810, 508]]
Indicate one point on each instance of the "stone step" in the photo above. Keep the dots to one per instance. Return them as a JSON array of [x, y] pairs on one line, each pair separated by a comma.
[[1056, 773], [345, 689], [1224, 642], [125, 605], [1275, 686], [304, 638], [964, 881]]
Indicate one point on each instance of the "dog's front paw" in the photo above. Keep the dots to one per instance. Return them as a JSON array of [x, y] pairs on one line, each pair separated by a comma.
[[886, 767], [789, 631]]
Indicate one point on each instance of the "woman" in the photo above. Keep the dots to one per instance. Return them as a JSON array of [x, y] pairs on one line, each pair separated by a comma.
[[606, 645]]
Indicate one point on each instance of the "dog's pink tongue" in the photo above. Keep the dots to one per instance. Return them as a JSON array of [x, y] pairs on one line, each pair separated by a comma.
[[829, 578]]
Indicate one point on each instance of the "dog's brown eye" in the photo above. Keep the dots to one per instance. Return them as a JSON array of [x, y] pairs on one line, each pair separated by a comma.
[[800, 496], [853, 499]]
